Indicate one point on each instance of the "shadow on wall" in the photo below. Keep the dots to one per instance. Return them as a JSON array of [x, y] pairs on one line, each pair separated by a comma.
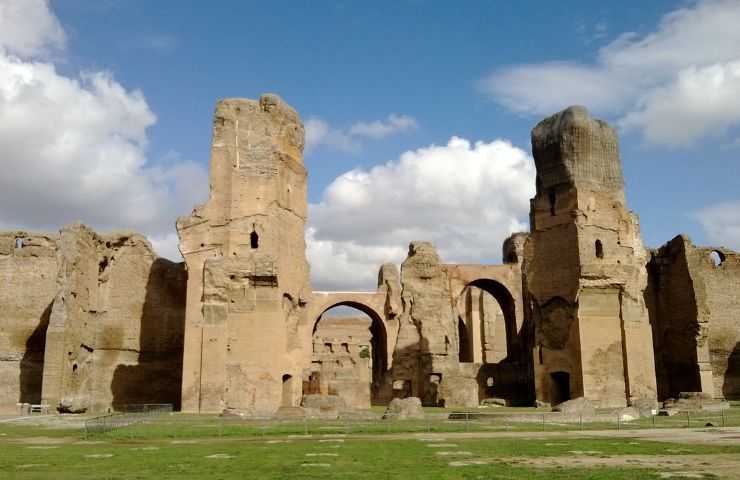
[[158, 376], [731, 385], [409, 374], [32, 363]]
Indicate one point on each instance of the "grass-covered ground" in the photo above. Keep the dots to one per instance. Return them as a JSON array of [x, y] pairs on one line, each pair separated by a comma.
[[212, 447]]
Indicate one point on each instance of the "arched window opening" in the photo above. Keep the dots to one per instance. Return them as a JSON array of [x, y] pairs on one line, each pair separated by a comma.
[[599, 249], [19, 243], [350, 343], [717, 258], [552, 199], [254, 240]]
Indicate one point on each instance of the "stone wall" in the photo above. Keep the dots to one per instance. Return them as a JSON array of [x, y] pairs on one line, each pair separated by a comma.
[[28, 270], [695, 305], [461, 337], [88, 322], [116, 324]]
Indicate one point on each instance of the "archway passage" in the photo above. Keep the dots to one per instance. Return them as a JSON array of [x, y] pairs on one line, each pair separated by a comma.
[[487, 335], [349, 356], [487, 322]]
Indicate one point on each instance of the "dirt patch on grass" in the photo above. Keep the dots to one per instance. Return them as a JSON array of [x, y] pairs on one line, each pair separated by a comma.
[[673, 466]]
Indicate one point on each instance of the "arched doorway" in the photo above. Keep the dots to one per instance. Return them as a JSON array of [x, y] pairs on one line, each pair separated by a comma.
[[349, 355], [287, 394], [487, 335], [486, 321]]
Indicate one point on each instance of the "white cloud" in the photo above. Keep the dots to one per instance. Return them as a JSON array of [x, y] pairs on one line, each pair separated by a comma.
[[721, 223], [701, 102], [320, 133], [466, 198], [673, 84], [29, 28], [380, 129], [74, 148]]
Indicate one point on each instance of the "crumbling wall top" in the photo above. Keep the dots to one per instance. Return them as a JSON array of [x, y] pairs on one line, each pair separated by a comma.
[[268, 117], [572, 148]]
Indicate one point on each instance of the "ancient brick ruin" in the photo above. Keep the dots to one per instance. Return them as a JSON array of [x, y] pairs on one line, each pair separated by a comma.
[[578, 308]]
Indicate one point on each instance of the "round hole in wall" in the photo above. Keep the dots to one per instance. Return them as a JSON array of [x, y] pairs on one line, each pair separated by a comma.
[[717, 257]]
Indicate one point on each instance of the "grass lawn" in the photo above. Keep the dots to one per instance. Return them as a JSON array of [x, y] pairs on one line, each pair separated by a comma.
[[159, 449]]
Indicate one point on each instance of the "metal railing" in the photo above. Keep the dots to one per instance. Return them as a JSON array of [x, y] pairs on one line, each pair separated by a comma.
[[144, 422], [193, 426], [129, 415]]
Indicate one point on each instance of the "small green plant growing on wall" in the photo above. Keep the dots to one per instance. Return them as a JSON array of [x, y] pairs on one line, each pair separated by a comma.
[[364, 351]]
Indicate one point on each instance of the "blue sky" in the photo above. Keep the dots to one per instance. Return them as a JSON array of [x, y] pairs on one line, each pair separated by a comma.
[[481, 71]]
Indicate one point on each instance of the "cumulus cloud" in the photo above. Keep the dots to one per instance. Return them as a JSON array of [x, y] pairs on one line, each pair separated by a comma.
[[674, 84], [74, 148], [29, 28], [721, 223], [320, 133], [465, 197], [700, 102]]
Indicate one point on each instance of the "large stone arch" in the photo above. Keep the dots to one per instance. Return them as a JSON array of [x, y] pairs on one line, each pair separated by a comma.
[[503, 282], [370, 303], [377, 329], [508, 376], [506, 302], [383, 330]]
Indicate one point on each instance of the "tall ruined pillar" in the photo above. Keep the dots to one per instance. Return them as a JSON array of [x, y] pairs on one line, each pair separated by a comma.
[[247, 271], [585, 270]]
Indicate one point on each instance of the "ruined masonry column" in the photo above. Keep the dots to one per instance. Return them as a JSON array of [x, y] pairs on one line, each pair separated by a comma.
[[586, 270], [476, 342], [248, 276]]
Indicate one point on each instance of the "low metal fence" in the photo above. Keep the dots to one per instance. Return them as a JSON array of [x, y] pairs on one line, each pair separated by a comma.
[[145, 422], [129, 415]]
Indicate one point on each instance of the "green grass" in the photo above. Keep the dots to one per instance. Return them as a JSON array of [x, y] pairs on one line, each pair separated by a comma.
[[362, 459], [177, 446]]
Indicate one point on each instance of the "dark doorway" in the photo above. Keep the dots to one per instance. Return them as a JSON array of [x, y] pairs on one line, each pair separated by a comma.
[[559, 387], [287, 399], [465, 352]]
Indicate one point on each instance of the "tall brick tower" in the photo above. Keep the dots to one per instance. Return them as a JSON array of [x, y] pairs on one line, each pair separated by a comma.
[[247, 269], [586, 268]]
